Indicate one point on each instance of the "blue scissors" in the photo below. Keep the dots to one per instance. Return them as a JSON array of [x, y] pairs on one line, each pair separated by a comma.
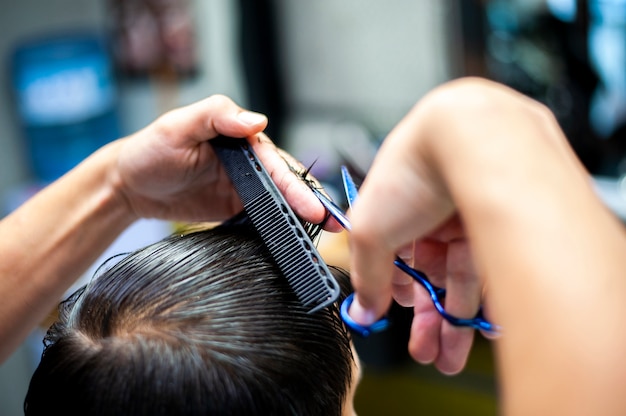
[[436, 293]]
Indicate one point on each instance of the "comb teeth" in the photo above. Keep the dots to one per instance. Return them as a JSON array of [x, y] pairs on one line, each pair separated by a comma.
[[281, 231]]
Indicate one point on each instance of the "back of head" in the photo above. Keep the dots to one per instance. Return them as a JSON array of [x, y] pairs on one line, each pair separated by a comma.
[[201, 323]]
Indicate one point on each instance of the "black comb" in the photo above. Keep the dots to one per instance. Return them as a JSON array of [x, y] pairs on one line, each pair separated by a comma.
[[278, 226]]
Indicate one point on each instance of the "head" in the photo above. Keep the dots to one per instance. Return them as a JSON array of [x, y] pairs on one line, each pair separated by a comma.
[[199, 323]]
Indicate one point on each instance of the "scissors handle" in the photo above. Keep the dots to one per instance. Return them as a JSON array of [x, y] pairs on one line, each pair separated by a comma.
[[437, 294], [363, 330]]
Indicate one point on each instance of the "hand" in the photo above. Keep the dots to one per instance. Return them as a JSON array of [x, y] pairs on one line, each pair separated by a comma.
[[444, 256], [168, 170], [480, 181], [408, 205]]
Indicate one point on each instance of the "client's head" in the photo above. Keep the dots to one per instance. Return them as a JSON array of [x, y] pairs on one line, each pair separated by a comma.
[[200, 323]]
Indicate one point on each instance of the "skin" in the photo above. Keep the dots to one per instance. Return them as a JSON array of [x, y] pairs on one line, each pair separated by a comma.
[[166, 171], [478, 187], [357, 375]]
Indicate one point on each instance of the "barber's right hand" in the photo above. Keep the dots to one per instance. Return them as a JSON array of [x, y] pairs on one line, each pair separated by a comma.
[[413, 202], [480, 185], [400, 212]]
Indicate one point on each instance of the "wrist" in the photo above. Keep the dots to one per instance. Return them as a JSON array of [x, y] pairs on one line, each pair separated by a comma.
[[116, 194]]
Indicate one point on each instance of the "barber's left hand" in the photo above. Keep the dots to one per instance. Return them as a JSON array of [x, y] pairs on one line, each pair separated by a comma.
[[168, 170]]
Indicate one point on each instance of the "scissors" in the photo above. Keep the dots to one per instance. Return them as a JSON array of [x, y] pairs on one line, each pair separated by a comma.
[[437, 294]]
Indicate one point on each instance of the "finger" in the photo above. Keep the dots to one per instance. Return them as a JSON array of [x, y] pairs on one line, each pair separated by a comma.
[[430, 257], [487, 315], [452, 229], [463, 293], [455, 346], [425, 328], [206, 119], [402, 283], [402, 288], [371, 271], [398, 202], [282, 168], [305, 178]]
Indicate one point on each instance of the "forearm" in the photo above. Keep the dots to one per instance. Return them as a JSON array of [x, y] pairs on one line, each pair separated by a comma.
[[551, 255], [47, 243]]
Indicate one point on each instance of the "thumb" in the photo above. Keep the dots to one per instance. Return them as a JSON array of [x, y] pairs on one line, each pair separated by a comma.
[[210, 117], [371, 275]]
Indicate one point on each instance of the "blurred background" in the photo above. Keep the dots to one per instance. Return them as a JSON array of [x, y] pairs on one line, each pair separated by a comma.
[[334, 77]]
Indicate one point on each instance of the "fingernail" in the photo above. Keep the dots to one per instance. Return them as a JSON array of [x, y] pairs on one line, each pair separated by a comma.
[[250, 118], [361, 315]]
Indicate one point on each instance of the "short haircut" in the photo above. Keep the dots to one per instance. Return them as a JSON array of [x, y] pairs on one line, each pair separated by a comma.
[[200, 323]]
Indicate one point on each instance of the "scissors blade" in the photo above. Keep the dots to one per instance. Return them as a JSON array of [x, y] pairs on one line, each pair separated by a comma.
[[333, 209], [349, 186]]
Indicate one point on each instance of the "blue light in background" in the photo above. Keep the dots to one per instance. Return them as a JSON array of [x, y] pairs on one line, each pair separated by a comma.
[[564, 10]]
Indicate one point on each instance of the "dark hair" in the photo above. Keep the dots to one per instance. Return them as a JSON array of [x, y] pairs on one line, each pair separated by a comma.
[[201, 323]]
